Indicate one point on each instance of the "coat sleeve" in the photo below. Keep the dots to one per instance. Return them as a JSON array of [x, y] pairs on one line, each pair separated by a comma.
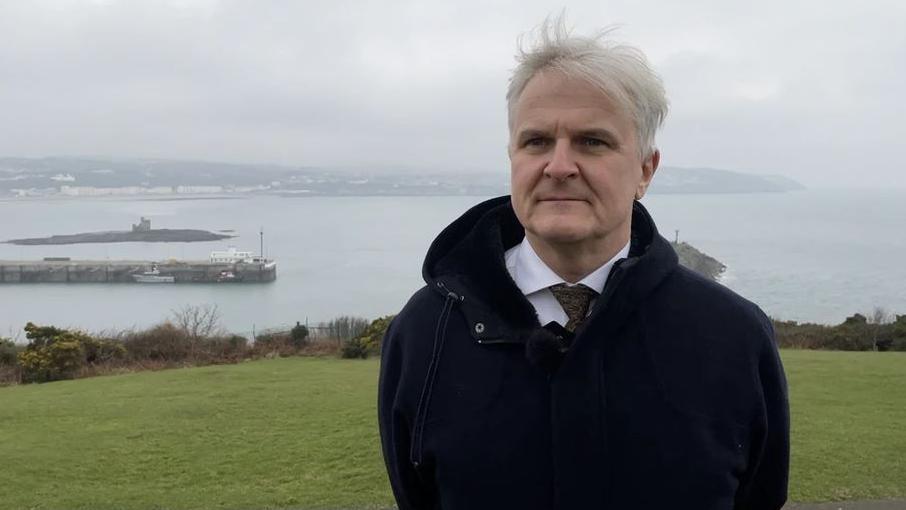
[[408, 488], [764, 485]]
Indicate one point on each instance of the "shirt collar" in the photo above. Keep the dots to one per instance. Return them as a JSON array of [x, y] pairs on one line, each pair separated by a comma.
[[531, 274]]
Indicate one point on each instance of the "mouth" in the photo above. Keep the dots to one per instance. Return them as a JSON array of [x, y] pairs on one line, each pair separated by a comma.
[[560, 199]]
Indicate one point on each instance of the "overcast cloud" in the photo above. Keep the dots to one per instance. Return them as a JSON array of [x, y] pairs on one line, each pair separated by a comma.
[[811, 90]]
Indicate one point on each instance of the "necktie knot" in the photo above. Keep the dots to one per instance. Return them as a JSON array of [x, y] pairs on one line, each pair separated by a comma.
[[575, 300]]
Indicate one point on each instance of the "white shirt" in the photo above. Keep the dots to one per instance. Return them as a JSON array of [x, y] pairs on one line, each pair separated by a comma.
[[534, 277]]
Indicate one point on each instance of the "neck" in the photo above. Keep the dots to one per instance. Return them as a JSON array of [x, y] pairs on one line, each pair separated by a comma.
[[574, 261]]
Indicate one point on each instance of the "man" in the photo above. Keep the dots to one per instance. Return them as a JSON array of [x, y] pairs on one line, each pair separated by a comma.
[[558, 357]]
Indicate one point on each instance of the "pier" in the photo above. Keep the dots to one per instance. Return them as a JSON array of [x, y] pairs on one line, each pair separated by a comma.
[[124, 271]]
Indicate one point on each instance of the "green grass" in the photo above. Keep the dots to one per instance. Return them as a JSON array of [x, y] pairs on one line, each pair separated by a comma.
[[302, 433], [848, 425], [277, 433]]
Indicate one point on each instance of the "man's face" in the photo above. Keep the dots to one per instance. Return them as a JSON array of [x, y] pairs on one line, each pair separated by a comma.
[[575, 164]]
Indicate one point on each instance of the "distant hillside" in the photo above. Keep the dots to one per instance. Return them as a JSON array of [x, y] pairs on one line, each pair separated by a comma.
[[87, 177], [710, 180]]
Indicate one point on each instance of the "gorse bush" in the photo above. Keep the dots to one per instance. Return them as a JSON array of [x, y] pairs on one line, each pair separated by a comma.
[[368, 342], [52, 354]]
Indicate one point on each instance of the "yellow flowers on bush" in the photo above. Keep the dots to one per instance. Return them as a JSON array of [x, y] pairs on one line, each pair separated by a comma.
[[53, 354], [369, 341]]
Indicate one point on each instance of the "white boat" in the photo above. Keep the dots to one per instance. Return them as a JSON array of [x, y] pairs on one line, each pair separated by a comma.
[[153, 276], [228, 276]]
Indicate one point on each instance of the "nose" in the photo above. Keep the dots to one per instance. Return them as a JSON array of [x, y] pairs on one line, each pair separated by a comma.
[[562, 165]]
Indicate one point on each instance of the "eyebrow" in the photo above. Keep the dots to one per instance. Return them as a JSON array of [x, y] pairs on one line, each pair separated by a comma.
[[589, 133], [530, 133], [599, 133]]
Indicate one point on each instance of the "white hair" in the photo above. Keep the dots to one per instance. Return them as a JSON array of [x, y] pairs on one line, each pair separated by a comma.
[[621, 72]]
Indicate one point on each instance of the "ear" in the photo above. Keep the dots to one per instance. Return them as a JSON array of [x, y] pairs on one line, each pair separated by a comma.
[[649, 167]]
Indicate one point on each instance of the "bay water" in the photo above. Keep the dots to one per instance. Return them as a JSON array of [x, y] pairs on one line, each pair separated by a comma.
[[816, 255]]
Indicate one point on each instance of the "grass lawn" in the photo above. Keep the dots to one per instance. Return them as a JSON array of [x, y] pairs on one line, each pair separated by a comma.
[[848, 425], [294, 432], [302, 433]]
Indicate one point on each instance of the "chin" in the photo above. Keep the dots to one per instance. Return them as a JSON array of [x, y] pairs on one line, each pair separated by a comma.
[[558, 232]]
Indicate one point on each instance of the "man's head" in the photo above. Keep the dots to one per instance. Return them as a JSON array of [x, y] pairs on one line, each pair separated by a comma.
[[583, 113]]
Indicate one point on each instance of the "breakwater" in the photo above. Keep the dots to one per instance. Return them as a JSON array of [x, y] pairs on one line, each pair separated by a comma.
[[125, 271]]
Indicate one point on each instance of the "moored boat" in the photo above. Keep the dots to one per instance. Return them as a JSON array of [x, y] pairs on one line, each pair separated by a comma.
[[153, 276]]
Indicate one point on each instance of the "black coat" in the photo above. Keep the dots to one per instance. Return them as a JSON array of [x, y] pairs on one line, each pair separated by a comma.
[[672, 395]]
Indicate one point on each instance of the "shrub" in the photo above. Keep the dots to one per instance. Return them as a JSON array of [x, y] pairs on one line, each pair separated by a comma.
[[856, 333], [9, 362], [791, 334], [321, 348], [299, 335], [9, 352], [373, 336], [10, 374], [161, 343], [52, 354], [103, 350], [354, 348], [277, 343], [849, 339], [898, 334], [224, 349], [344, 327], [898, 344], [369, 340]]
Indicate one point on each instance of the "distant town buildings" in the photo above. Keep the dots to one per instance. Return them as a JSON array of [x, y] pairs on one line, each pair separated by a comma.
[[231, 256], [94, 191]]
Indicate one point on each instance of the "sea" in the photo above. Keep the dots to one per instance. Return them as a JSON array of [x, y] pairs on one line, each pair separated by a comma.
[[808, 256]]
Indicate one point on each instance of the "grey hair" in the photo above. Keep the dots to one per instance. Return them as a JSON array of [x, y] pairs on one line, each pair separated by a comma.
[[621, 72]]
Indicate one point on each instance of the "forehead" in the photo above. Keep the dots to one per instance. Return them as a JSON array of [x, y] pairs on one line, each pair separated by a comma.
[[551, 97]]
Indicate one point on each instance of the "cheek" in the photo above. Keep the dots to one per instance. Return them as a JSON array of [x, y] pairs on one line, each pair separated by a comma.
[[522, 180], [615, 189], [521, 187], [519, 197]]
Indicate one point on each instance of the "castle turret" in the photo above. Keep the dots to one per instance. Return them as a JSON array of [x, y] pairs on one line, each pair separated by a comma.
[[143, 226]]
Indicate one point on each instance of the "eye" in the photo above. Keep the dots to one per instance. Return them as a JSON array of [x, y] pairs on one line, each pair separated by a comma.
[[535, 142], [589, 141]]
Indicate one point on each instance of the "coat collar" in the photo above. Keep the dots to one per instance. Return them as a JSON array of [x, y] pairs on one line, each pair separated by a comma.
[[467, 259]]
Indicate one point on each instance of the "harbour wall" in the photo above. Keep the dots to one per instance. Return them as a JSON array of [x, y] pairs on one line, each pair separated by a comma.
[[122, 271]]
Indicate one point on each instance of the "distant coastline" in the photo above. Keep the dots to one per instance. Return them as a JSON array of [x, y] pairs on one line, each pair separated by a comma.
[[78, 178]]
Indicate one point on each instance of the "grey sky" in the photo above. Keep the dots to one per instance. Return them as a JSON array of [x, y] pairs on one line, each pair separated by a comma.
[[808, 89]]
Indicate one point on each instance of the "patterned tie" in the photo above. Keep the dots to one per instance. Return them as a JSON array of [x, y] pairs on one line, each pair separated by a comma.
[[575, 300]]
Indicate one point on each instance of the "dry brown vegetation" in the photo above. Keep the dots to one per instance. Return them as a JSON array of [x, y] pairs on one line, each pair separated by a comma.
[[193, 336]]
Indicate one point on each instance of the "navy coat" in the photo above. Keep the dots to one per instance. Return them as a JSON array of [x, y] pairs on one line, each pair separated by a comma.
[[672, 395]]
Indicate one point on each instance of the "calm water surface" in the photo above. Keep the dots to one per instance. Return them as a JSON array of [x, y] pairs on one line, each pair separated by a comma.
[[809, 256]]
